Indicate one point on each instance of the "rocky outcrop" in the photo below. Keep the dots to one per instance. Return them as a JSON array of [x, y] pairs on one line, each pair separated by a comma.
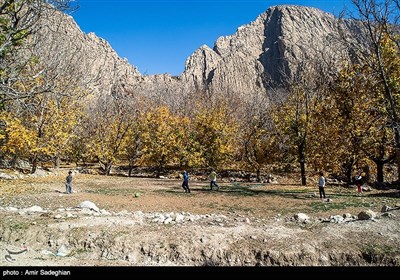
[[263, 53], [81, 58]]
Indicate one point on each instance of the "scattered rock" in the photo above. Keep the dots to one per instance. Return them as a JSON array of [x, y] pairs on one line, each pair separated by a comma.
[[89, 205], [301, 217], [70, 215], [105, 212], [366, 215], [47, 253], [62, 251], [385, 208], [6, 176], [179, 218], [123, 213], [34, 208], [366, 188], [336, 219], [388, 215], [347, 216]]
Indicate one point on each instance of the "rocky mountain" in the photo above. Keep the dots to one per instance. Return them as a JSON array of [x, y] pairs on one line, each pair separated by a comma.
[[262, 53]]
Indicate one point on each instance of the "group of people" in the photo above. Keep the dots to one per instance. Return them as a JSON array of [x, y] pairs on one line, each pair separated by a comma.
[[213, 181], [185, 183], [358, 180]]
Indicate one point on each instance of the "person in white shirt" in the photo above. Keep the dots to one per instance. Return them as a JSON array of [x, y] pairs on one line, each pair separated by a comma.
[[321, 185]]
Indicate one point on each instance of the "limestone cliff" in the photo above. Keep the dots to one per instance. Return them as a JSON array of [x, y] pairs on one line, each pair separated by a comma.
[[262, 53]]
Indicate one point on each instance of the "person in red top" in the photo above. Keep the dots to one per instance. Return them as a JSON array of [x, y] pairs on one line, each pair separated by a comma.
[[358, 181]]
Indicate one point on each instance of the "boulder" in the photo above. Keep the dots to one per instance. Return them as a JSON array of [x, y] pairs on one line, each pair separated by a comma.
[[366, 215], [336, 219], [301, 217], [89, 205], [34, 208]]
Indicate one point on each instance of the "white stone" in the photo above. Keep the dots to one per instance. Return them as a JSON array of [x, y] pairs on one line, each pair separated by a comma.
[[89, 205], [301, 217], [179, 218], [34, 208]]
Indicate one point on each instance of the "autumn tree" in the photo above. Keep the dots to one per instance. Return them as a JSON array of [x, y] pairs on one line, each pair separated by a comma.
[[133, 147], [358, 119], [380, 21], [293, 116], [257, 140], [46, 128], [166, 139], [107, 122], [216, 132]]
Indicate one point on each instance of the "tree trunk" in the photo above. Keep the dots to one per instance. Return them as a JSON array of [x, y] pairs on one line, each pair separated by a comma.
[[34, 164], [107, 168], [303, 172], [348, 170], [258, 174], [302, 160], [130, 170], [379, 171], [398, 163], [57, 161]]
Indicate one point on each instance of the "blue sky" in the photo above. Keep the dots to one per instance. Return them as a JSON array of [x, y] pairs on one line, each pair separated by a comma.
[[158, 35]]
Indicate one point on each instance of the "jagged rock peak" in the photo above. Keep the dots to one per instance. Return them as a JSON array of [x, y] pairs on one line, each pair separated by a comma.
[[274, 43]]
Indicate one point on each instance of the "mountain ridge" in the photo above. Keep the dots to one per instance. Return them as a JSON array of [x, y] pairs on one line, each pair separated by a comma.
[[259, 54]]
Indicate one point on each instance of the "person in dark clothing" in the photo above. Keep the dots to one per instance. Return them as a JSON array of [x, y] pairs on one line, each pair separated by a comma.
[[185, 183], [68, 183]]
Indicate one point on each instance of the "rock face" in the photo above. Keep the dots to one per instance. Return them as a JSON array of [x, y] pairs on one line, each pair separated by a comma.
[[84, 58], [262, 53]]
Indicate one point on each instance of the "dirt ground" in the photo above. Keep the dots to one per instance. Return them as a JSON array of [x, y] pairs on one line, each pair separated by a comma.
[[153, 222]]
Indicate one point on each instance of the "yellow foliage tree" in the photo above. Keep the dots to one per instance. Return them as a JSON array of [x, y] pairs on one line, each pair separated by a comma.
[[47, 117], [166, 140], [216, 132], [293, 121], [16, 140]]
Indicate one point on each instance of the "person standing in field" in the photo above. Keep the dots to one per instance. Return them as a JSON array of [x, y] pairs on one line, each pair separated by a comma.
[[68, 182], [185, 183], [213, 180], [321, 185], [358, 181]]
